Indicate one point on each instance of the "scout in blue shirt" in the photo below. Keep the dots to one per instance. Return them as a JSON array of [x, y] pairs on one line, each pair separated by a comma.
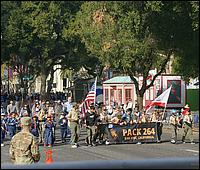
[[63, 127], [48, 132], [12, 125]]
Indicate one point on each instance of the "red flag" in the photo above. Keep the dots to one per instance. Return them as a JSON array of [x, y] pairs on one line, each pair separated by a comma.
[[90, 98], [161, 100]]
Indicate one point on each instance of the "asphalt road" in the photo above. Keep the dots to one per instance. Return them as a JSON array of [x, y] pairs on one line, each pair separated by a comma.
[[64, 152]]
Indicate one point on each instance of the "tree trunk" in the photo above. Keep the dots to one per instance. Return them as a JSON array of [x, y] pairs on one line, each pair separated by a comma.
[[43, 84], [140, 102], [49, 87]]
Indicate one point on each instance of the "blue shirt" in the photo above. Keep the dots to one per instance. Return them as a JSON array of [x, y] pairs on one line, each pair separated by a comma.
[[67, 106]]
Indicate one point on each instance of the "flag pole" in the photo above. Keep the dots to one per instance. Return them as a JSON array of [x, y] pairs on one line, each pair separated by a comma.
[[95, 89], [164, 112], [166, 104]]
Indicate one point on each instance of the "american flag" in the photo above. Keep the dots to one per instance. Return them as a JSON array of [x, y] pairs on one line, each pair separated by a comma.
[[90, 98]]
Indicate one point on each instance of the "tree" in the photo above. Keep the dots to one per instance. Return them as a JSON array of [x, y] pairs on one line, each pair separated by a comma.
[[34, 32], [187, 61], [180, 21], [133, 36], [6, 8]]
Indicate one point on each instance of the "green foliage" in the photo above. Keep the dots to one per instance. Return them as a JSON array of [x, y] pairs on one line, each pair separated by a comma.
[[137, 36], [120, 38], [127, 35], [192, 99]]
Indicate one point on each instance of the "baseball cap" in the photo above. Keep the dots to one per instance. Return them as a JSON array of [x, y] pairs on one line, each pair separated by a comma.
[[186, 106]]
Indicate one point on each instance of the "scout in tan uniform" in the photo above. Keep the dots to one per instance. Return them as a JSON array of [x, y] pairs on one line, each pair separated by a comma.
[[187, 127], [73, 118], [23, 146], [173, 120]]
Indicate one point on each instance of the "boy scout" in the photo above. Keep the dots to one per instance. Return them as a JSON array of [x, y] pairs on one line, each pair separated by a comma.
[[23, 146], [187, 127], [173, 120]]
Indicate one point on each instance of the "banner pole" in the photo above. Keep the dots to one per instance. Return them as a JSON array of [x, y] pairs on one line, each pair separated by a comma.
[[163, 113]]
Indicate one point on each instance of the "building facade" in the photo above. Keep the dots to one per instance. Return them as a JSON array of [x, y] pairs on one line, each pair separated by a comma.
[[121, 88]]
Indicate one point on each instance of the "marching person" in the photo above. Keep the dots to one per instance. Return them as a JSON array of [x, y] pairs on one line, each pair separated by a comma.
[[73, 118], [143, 117], [48, 132], [12, 108], [187, 126], [58, 107], [90, 124], [128, 117], [67, 107], [24, 110], [173, 123], [102, 127], [129, 105], [63, 127], [52, 113], [41, 120], [35, 126], [3, 128], [23, 147], [159, 124], [12, 125], [36, 108]]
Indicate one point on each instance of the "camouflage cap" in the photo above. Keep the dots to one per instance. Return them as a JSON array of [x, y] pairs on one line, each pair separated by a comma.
[[25, 121]]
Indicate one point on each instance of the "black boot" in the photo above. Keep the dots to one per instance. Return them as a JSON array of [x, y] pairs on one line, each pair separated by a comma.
[[183, 139]]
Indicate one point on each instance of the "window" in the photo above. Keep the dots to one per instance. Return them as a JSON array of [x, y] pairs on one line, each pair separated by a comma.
[[119, 93], [127, 94], [112, 97], [106, 97]]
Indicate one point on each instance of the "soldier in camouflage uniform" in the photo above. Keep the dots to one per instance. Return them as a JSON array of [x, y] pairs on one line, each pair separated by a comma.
[[23, 147]]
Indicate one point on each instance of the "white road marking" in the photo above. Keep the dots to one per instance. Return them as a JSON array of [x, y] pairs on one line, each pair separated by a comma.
[[189, 150]]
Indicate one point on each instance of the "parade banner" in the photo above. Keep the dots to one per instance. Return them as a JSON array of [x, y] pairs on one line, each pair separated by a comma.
[[143, 132]]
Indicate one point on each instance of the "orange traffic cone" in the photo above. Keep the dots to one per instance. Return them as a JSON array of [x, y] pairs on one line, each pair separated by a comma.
[[49, 156]]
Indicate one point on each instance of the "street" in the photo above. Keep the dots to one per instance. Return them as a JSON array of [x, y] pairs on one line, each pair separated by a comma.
[[64, 152]]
